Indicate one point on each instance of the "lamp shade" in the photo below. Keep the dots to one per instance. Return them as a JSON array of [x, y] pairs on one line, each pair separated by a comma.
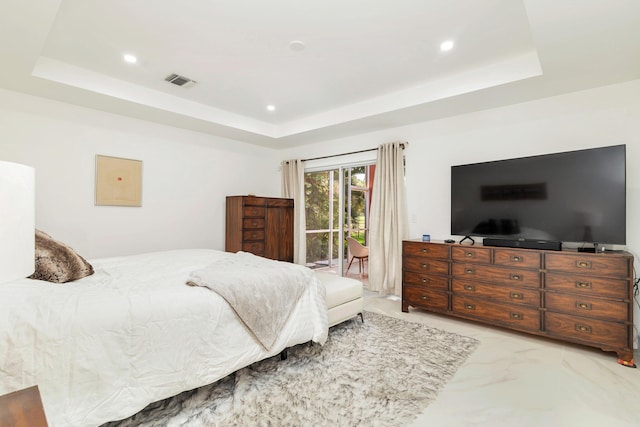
[[17, 221]]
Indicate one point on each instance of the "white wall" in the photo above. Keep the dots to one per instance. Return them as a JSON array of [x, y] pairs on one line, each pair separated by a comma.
[[598, 117], [186, 176]]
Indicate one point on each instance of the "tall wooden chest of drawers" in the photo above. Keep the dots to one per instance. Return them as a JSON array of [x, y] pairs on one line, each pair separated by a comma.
[[583, 298], [260, 225]]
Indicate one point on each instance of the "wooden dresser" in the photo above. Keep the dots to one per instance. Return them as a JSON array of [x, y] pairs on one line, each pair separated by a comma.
[[260, 225], [584, 298]]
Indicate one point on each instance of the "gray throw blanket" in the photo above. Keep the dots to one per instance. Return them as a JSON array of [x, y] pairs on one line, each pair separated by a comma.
[[261, 292], [56, 262]]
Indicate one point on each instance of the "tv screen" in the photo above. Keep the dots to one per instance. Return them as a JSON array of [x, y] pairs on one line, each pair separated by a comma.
[[575, 196]]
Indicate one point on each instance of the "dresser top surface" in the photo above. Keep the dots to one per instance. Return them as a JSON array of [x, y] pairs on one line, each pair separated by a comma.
[[567, 251]]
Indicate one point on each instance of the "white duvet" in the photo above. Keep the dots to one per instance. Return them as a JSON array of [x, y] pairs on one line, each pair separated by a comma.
[[102, 348]]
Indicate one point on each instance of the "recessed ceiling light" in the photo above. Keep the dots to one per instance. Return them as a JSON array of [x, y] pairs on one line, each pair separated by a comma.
[[296, 45], [445, 46], [130, 58], [271, 107]]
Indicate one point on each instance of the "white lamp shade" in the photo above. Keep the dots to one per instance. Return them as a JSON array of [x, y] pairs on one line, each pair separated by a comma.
[[17, 221]]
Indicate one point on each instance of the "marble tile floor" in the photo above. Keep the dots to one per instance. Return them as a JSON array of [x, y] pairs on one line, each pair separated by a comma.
[[518, 380]]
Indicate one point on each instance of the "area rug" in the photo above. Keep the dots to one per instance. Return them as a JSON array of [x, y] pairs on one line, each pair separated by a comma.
[[382, 372]]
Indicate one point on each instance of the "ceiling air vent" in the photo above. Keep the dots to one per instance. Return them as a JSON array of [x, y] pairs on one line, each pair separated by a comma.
[[179, 80]]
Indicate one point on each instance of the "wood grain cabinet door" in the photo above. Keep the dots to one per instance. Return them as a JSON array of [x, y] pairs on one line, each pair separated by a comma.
[[279, 229]]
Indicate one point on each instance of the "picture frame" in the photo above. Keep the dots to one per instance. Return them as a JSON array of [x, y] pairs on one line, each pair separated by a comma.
[[118, 181]]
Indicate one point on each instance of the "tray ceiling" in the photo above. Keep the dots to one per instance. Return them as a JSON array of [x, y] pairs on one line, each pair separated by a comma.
[[329, 68]]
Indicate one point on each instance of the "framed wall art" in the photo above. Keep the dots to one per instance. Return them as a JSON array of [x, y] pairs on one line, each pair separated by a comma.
[[118, 181]]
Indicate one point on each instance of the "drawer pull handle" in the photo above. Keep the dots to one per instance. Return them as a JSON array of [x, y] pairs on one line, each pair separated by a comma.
[[515, 277], [516, 295], [517, 316], [583, 305], [516, 258], [425, 250], [469, 288], [425, 280], [470, 254], [254, 223], [470, 306], [423, 297], [583, 285], [424, 265], [583, 328], [470, 271], [583, 264], [254, 235]]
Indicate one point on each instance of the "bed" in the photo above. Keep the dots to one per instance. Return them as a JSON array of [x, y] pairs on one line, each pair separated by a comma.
[[103, 347]]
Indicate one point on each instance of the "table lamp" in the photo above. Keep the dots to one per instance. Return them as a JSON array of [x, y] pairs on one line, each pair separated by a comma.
[[17, 221]]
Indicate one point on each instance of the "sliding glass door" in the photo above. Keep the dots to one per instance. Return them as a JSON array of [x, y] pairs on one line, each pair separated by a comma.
[[322, 191], [337, 205], [357, 193]]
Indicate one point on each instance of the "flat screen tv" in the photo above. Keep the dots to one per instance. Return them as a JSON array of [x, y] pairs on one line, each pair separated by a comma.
[[576, 196]]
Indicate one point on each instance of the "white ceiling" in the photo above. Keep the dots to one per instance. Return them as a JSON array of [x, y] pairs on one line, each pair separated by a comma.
[[367, 65]]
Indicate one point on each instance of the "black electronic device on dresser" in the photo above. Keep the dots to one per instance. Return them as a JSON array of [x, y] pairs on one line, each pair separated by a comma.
[[540, 202]]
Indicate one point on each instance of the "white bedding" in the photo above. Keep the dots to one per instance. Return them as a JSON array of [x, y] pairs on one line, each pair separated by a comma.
[[103, 347]]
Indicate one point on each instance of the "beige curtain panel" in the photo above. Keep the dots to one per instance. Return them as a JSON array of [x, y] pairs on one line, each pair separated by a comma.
[[293, 188], [388, 219]]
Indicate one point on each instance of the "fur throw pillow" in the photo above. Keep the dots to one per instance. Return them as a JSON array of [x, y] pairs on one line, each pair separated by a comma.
[[57, 262]]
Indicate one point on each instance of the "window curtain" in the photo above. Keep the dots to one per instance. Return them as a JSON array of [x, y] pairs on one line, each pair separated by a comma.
[[293, 188], [389, 220]]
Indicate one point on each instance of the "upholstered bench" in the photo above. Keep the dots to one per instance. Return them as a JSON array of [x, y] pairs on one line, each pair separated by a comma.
[[344, 297]]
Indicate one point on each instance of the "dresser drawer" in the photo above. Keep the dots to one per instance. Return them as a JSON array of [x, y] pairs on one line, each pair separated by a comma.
[[420, 297], [587, 285], [516, 317], [254, 201], [280, 203], [253, 211], [250, 223], [481, 255], [427, 281], [248, 235], [515, 258], [427, 250], [586, 330], [592, 265], [497, 293], [256, 248], [425, 265], [500, 275], [597, 308]]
